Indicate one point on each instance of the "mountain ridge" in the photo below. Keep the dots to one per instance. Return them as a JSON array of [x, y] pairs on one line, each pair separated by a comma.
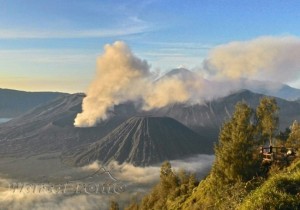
[[15, 102], [270, 88], [49, 127]]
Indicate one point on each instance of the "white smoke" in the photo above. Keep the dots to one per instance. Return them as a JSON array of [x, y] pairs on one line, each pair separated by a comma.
[[164, 92], [264, 58], [122, 77], [119, 76]]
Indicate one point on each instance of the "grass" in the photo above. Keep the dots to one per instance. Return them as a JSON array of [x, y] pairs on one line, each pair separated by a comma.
[[280, 191]]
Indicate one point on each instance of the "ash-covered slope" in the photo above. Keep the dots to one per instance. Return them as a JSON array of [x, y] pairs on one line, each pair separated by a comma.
[[142, 141], [207, 118], [269, 88], [15, 102], [181, 73], [49, 127]]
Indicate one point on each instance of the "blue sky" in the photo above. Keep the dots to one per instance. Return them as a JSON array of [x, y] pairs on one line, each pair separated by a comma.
[[53, 44]]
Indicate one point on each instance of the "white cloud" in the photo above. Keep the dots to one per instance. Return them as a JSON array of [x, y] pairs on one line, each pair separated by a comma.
[[44, 56], [138, 180], [136, 176], [267, 58], [60, 34]]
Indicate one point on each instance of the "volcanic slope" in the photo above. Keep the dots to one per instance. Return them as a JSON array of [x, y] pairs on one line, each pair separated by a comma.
[[208, 117], [49, 127], [14, 102], [269, 88], [142, 141]]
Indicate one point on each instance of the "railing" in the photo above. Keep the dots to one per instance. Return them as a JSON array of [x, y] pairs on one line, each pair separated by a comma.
[[277, 154]]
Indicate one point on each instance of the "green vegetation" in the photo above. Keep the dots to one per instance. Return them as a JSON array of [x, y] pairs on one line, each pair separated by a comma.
[[235, 152], [294, 137], [114, 205], [281, 191], [172, 190], [237, 179], [267, 118]]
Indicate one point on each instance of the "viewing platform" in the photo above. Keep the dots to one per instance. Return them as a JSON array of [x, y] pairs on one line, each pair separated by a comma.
[[280, 155]]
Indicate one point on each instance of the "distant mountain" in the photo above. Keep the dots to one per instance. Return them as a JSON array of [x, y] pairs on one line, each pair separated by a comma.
[[14, 102], [142, 141], [269, 88], [180, 72], [49, 127], [207, 118], [189, 77], [275, 89]]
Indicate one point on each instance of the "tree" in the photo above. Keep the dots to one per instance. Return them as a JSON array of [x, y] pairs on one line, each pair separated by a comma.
[[294, 137], [132, 206], [267, 118], [284, 135], [114, 205], [236, 163], [192, 183], [165, 190], [168, 179], [235, 151]]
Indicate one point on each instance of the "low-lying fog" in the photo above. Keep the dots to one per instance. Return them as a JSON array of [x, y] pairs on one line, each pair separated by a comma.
[[42, 182]]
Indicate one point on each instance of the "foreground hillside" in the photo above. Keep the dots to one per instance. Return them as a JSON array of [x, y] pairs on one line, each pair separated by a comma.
[[280, 191], [180, 190], [238, 179]]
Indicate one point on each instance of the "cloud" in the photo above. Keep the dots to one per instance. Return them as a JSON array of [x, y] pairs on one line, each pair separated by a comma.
[[28, 83], [263, 58], [123, 77], [48, 56], [138, 180], [199, 164], [32, 197], [134, 175], [43, 200], [61, 34]]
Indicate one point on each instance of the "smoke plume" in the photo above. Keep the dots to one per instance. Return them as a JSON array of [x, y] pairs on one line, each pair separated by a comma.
[[265, 58], [121, 76], [164, 92]]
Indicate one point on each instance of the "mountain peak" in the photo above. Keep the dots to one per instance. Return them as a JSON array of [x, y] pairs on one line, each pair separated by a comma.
[[142, 141], [179, 72]]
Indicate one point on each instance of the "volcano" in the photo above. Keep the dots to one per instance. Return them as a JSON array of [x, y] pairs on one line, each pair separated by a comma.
[[49, 128], [142, 141]]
